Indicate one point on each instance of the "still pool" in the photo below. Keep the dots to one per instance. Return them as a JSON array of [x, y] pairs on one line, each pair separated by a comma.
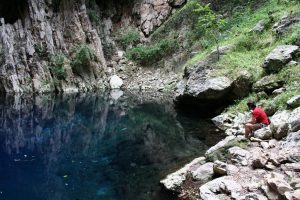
[[94, 146]]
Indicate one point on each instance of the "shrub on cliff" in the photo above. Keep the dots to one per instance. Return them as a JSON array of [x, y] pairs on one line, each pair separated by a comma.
[[129, 38], [146, 55], [82, 56], [57, 66]]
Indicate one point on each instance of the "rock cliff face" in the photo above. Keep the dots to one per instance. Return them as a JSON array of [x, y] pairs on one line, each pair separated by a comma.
[[31, 32]]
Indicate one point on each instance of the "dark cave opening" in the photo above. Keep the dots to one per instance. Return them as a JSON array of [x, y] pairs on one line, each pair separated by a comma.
[[12, 10]]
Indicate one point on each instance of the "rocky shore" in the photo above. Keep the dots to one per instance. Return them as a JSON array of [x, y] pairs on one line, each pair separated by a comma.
[[266, 167]]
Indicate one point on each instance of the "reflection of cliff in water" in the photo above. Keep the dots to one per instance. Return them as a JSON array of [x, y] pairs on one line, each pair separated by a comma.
[[91, 146]]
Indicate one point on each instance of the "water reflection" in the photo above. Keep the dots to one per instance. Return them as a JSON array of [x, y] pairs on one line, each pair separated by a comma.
[[93, 146]]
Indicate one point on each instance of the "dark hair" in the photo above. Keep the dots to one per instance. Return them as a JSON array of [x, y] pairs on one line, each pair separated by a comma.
[[251, 104]]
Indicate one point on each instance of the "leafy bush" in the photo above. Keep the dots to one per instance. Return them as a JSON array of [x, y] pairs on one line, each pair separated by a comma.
[[129, 38], [57, 66], [83, 55], [41, 49], [144, 55], [93, 16]]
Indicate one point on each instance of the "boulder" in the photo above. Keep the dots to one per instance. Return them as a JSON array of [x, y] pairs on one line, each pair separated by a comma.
[[279, 185], [253, 196], [292, 140], [263, 133], [115, 82], [296, 194], [224, 185], [279, 57], [221, 169], [282, 25], [241, 85], [239, 155], [259, 158], [267, 84], [279, 124], [220, 150], [294, 102], [223, 121], [291, 167], [294, 120], [259, 27], [174, 181], [204, 172], [176, 3], [269, 192], [200, 91]]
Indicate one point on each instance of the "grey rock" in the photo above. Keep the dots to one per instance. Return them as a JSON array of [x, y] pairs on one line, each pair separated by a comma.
[[239, 156], [279, 57], [259, 27], [294, 102], [259, 158], [220, 168], [176, 3], [296, 194], [241, 85], [263, 133], [269, 193], [294, 182], [220, 144], [264, 145], [225, 185], [279, 91], [253, 196], [282, 25], [174, 181], [267, 84], [279, 124], [291, 167], [204, 172], [115, 82], [279, 185], [294, 120], [292, 140], [223, 121]]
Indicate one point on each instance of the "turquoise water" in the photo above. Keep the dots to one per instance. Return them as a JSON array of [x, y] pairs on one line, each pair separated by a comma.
[[94, 146]]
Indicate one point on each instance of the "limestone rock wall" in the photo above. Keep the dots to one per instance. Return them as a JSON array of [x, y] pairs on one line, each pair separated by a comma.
[[43, 28]]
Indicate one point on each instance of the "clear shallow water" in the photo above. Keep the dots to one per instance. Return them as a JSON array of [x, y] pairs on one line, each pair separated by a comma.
[[94, 146]]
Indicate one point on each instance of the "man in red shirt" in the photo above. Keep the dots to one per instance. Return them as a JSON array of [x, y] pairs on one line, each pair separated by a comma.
[[259, 119]]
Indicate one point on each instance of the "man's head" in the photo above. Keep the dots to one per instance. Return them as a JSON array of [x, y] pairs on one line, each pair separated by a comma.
[[251, 105]]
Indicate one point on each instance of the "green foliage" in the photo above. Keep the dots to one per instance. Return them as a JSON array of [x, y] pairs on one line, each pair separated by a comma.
[[146, 55], [83, 55], [182, 17], [93, 16], [129, 38], [57, 66], [41, 49], [209, 23]]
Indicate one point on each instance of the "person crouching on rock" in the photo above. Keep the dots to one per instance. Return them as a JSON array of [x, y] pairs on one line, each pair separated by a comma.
[[259, 119]]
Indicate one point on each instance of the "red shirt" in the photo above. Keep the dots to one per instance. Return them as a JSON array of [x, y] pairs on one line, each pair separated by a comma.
[[260, 116]]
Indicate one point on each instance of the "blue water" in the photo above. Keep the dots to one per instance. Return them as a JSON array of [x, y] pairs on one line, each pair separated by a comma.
[[94, 146]]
